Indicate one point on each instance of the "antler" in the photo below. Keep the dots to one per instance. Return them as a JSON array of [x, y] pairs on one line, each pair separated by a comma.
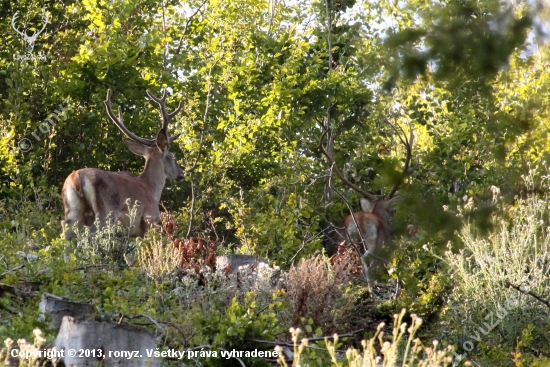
[[15, 16], [166, 116], [120, 123], [408, 147], [336, 170], [45, 20]]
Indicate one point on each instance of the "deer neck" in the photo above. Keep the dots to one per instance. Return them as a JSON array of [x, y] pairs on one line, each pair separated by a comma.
[[154, 177]]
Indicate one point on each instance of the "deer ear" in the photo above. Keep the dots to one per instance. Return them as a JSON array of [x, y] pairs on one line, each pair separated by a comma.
[[135, 148], [365, 205], [162, 140]]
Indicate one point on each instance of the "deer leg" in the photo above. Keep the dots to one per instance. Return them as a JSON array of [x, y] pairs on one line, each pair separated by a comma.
[[67, 226], [75, 209], [68, 232], [370, 234]]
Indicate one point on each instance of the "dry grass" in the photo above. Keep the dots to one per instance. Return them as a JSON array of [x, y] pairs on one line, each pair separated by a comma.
[[399, 350], [316, 290], [158, 259]]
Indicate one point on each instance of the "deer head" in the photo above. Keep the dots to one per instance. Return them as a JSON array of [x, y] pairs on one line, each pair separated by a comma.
[[156, 150], [367, 230]]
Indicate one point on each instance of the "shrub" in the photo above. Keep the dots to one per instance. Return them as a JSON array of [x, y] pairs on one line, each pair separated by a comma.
[[31, 350], [109, 244], [156, 258], [316, 290], [490, 312]]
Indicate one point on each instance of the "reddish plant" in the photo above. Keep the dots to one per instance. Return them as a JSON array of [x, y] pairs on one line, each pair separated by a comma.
[[195, 252], [350, 257]]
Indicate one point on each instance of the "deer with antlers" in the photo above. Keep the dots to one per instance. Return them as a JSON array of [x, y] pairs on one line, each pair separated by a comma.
[[89, 193], [367, 230]]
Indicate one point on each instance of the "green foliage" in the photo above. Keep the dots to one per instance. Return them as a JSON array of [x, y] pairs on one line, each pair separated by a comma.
[[467, 37], [239, 328]]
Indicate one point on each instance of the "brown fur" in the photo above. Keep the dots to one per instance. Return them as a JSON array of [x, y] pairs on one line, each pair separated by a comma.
[[366, 222], [375, 232], [373, 225], [384, 235]]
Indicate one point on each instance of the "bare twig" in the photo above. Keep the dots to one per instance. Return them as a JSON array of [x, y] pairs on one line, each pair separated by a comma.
[[320, 338], [351, 242], [329, 41], [11, 270], [90, 266], [164, 34], [8, 309], [408, 143], [328, 130], [187, 23], [532, 294], [363, 243], [205, 117], [192, 335], [272, 6], [237, 358], [157, 323], [339, 173], [304, 243], [201, 142], [192, 209], [287, 344], [353, 333]]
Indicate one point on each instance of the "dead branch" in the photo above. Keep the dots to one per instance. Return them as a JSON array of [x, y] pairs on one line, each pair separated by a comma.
[[532, 294], [11, 270], [16, 291]]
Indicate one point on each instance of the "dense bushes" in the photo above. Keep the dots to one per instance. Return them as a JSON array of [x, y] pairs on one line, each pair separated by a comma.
[[200, 307]]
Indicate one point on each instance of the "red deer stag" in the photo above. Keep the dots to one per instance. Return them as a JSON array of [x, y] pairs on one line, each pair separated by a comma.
[[89, 193], [367, 230]]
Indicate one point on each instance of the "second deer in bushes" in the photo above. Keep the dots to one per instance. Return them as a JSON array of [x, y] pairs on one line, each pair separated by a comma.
[[367, 230]]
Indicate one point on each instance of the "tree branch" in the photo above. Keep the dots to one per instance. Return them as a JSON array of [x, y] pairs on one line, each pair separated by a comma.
[[187, 23], [11, 270], [16, 291], [336, 170], [532, 294]]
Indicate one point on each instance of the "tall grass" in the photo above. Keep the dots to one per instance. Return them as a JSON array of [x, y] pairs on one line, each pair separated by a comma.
[[402, 348]]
